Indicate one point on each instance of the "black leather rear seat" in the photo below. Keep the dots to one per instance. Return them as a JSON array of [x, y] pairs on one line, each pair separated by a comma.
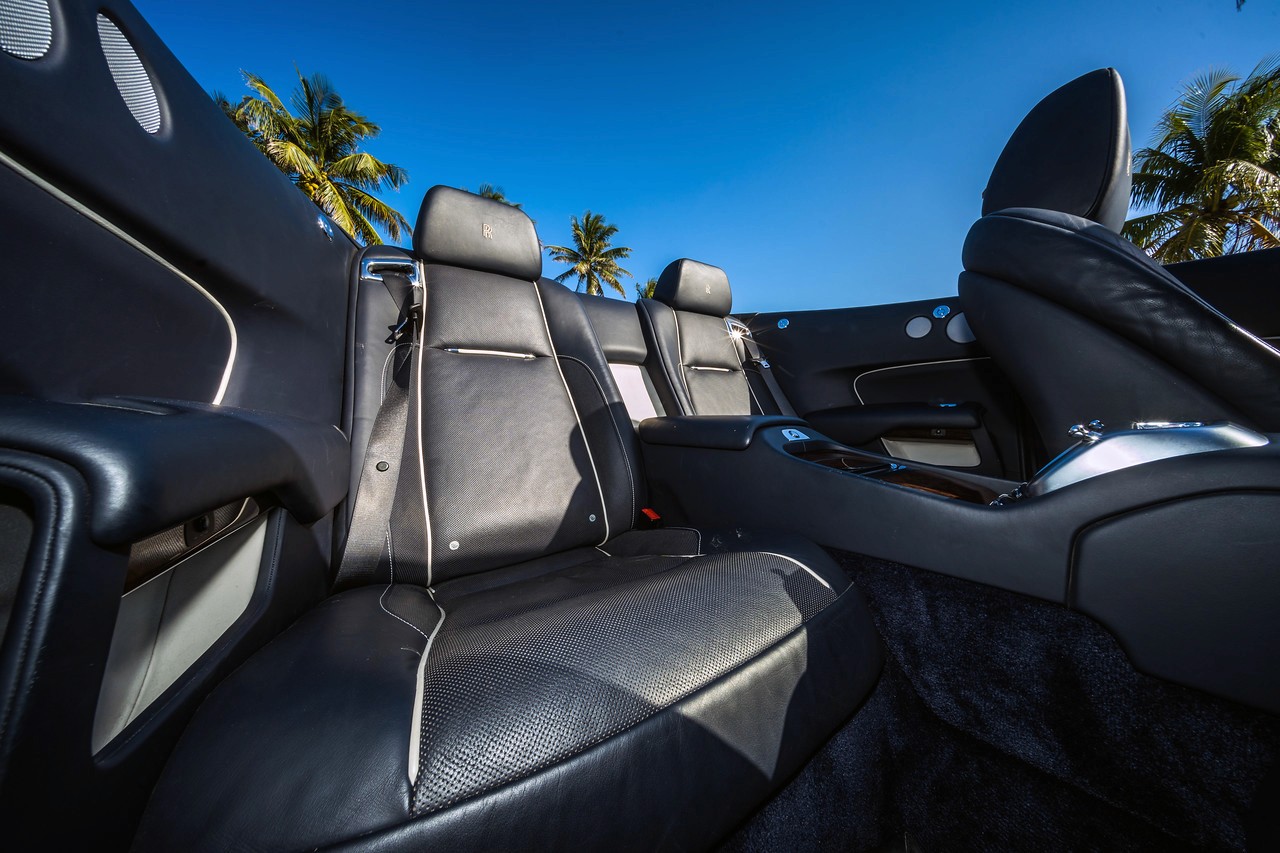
[[616, 325], [700, 366], [561, 679]]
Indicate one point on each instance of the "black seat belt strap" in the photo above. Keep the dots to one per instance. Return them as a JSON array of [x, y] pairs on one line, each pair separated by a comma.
[[766, 373], [386, 539]]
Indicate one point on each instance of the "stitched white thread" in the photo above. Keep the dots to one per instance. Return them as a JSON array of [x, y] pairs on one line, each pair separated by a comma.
[[662, 355], [675, 315], [572, 405], [630, 476], [391, 556], [415, 728], [695, 531], [382, 598], [816, 576], [387, 363], [417, 417]]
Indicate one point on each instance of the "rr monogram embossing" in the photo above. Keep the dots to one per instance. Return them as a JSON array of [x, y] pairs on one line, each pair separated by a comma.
[[487, 230]]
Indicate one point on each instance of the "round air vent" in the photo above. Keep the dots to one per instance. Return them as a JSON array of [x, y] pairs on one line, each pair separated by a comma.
[[26, 28], [958, 330], [130, 75], [918, 327]]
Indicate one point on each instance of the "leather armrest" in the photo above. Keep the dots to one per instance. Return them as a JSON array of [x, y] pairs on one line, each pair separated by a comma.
[[854, 425], [151, 464], [715, 432]]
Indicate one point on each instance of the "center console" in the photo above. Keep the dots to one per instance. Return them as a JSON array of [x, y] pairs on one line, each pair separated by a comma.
[[1163, 532]]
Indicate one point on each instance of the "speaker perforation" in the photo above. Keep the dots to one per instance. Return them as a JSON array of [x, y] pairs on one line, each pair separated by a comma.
[[26, 28], [130, 75]]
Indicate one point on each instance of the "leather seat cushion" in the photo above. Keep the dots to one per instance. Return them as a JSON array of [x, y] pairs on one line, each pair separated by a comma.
[[527, 677]]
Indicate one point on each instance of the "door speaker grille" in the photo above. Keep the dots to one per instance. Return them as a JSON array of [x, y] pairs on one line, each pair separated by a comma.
[[26, 28], [130, 75]]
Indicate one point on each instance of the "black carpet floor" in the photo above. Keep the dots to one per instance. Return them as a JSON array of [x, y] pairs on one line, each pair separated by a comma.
[[1002, 722]]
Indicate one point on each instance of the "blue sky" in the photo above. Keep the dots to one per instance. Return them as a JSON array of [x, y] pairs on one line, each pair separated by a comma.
[[825, 154]]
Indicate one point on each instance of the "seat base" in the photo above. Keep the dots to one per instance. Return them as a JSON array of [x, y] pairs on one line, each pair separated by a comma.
[[625, 696]]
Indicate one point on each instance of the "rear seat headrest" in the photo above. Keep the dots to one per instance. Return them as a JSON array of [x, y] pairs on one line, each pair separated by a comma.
[[1070, 154], [459, 229], [693, 286]]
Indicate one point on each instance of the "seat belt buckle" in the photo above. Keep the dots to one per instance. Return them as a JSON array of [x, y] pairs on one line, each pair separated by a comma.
[[650, 520], [760, 362], [412, 314]]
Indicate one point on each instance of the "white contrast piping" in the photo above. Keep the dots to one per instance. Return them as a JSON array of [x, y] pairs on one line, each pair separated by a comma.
[[858, 378], [604, 507], [675, 317], [694, 531], [119, 233], [415, 730], [716, 369], [816, 576], [417, 417], [617, 431]]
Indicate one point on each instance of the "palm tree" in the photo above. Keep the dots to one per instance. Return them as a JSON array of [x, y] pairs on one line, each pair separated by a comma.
[[318, 146], [592, 260], [495, 193], [645, 291], [1212, 172]]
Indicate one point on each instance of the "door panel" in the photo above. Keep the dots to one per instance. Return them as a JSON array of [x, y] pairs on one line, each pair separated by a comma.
[[157, 261], [845, 367]]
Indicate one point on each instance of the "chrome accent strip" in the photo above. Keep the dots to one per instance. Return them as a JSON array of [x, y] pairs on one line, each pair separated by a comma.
[[524, 356], [369, 268], [1113, 451]]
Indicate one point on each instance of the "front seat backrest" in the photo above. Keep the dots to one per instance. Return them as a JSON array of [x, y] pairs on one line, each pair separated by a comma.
[[1084, 323], [698, 363]]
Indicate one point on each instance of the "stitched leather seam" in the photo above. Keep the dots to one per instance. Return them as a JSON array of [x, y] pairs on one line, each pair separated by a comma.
[[43, 578], [224, 642], [675, 316], [616, 431], [568, 394], [386, 362], [692, 530], [662, 356]]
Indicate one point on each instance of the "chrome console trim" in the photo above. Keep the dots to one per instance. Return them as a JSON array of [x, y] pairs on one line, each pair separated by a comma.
[[1103, 452]]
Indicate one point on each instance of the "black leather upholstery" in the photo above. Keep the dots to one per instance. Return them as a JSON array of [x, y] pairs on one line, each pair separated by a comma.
[[1084, 323], [1071, 154], [465, 230], [606, 423], [714, 432], [556, 686], [617, 327], [126, 449], [698, 364], [693, 286]]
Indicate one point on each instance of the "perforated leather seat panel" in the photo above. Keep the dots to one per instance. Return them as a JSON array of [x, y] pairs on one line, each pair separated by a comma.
[[512, 686]]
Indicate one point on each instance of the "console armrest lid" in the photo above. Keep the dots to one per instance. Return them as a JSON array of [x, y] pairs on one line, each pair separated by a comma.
[[714, 432]]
